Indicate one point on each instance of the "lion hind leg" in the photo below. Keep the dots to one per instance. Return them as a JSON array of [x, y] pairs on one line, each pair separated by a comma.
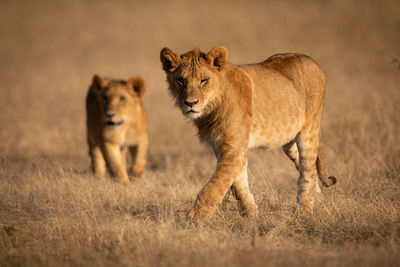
[[292, 152], [308, 146]]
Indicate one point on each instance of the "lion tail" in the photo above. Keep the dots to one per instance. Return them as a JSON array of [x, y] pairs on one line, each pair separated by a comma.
[[326, 181]]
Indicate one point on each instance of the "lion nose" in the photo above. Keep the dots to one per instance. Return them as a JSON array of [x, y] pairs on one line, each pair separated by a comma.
[[110, 114], [191, 103]]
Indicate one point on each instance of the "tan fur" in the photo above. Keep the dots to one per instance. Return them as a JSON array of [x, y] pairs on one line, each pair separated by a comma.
[[275, 103], [116, 123]]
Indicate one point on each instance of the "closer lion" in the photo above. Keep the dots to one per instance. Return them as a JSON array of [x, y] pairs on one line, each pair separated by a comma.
[[116, 122], [277, 102]]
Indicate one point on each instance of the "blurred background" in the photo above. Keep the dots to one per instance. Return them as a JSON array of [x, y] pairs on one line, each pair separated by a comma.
[[50, 50]]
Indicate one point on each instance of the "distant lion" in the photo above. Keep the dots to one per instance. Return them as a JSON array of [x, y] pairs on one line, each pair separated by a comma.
[[116, 123], [275, 103]]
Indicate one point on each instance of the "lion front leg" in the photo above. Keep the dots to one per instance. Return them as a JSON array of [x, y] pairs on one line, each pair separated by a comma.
[[241, 191], [116, 163], [214, 191], [139, 157], [98, 162]]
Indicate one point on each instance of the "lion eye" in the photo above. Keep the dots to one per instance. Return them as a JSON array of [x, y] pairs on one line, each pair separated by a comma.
[[122, 99], [180, 81], [204, 82], [105, 99]]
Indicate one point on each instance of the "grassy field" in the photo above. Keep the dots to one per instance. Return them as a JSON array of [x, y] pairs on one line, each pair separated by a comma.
[[53, 212]]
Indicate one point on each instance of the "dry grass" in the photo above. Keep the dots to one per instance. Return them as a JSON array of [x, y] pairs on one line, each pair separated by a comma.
[[52, 212]]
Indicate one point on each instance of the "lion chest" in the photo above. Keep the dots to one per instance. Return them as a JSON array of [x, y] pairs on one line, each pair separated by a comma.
[[124, 136]]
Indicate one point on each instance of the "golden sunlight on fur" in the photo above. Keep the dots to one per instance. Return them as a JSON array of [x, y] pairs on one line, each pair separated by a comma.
[[116, 123], [275, 103]]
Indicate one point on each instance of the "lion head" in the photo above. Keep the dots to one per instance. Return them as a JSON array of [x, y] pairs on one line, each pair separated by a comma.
[[194, 78], [119, 100]]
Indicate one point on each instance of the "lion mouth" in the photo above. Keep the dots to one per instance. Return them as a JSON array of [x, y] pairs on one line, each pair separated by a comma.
[[191, 111], [113, 123], [191, 114]]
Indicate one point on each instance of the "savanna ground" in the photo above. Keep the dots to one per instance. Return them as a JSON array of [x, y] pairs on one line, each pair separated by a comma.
[[53, 212]]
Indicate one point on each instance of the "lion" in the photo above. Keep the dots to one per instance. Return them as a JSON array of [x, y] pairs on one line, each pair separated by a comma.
[[116, 123], [274, 103]]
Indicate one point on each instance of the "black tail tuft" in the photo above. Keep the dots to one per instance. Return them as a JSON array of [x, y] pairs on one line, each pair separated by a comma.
[[333, 179]]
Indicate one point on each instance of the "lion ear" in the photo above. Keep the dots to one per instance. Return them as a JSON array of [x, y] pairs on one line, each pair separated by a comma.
[[169, 59], [98, 83], [138, 85], [217, 57]]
